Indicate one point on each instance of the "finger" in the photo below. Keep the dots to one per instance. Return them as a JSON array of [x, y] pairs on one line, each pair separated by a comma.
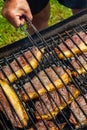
[[22, 21], [29, 16], [10, 16], [28, 13], [15, 21]]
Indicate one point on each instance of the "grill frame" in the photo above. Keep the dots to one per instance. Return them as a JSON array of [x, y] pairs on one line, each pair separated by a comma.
[[15, 47], [59, 27]]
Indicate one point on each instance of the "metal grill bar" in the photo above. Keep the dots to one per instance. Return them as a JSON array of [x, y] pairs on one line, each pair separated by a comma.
[[44, 70], [65, 65], [46, 90], [70, 48], [81, 77], [82, 52], [33, 87], [75, 99], [70, 64], [46, 43], [5, 126], [6, 112], [48, 46], [23, 89], [17, 85]]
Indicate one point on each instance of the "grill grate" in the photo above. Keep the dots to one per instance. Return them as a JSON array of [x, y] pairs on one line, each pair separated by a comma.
[[57, 95]]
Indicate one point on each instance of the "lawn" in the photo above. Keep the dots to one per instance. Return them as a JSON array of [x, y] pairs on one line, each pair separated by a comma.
[[8, 34]]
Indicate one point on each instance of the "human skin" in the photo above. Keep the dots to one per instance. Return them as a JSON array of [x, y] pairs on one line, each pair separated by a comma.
[[15, 12]]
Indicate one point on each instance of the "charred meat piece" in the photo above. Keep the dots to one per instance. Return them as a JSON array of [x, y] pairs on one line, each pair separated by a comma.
[[47, 83], [80, 116], [49, 106], [15, 102], [47, 125], [33, 57], [22, 66], [80, 64], [72, 47], [9, 75], [8, 111], [17, 70]]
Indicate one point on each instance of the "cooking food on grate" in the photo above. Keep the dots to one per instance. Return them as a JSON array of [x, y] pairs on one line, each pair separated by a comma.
[[81, 117], [9, 75], [80, 64], [49, 108], [82, 46], [23, 67], [9, 111], [48, 124], [33, 59], [15, 102], [47, 83]]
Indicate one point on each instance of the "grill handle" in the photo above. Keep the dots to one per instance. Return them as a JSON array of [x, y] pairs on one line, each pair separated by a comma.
[[35, 31]]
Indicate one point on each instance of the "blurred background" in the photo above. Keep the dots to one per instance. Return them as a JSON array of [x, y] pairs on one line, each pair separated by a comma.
[[8, 34]]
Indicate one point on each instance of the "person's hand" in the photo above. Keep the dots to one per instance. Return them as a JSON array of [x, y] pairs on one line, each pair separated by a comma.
[[15, 12]]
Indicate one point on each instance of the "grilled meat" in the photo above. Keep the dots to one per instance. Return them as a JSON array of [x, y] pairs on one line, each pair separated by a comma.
[[15, 102], [47, 83], [48, 106], [80, 116], [33, 60], [80, 64], [48, 124], [72, 47], [23, 67], [9, 111], [9, 75]]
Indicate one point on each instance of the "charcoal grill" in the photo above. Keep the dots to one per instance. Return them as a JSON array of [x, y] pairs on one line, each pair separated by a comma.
[[47, 39]]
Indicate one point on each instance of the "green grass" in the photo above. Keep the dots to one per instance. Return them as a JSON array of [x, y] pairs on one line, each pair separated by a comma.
[[58, 12], [8, 34]]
